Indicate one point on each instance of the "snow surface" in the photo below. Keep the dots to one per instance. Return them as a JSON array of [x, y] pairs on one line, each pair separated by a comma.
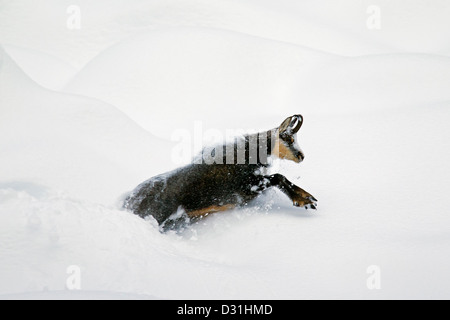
[[86, 115]]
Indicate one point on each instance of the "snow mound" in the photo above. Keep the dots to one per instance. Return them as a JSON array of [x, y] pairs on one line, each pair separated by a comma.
[[340, 29], [113, 249], [82, 146], [105, 23], [157, 76], [48, 71]]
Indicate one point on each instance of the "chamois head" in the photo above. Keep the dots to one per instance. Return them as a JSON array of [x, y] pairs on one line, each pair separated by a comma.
[[285, 146]]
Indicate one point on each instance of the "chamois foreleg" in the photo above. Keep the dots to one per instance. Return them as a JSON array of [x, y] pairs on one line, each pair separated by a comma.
[[298, 196]]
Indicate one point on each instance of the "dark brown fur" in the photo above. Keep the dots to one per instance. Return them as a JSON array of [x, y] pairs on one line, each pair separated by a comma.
[[199, 189]]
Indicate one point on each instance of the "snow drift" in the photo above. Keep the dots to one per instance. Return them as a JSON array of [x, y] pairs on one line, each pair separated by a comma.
[[70, 142], [376, 108]]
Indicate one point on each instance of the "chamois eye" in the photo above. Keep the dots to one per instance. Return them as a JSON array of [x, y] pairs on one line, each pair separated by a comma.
[[288, 140]]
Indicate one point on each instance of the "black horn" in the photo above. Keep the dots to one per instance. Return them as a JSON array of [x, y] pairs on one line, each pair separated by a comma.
[[296, 123]]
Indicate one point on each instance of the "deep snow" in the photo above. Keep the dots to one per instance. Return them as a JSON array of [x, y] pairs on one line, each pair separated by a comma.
[[376, 106]]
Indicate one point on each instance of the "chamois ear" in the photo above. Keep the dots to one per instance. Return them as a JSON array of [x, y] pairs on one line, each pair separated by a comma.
[[291, 125]]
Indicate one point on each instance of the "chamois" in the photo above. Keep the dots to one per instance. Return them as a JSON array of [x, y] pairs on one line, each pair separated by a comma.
[[222, 178]]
